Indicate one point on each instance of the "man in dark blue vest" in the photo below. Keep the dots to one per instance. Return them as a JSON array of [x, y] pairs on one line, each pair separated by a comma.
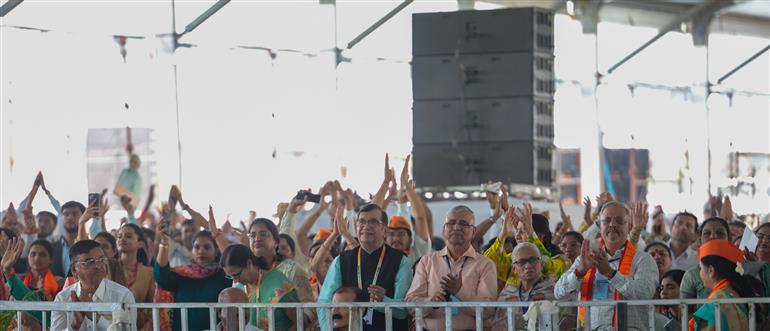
[[382, 273]]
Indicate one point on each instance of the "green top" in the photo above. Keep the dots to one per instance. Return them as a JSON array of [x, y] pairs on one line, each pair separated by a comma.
[[275, 287], [21, 292], [692, 285], [130, 179], [187, 289]]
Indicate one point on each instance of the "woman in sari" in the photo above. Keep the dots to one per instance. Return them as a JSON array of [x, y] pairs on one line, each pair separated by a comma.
[[133, 262], [718, 261], [262, 285], [263, 242], [200, 281], [39, 284]]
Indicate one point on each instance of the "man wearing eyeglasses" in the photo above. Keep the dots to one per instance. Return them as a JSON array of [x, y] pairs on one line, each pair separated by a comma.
[[533, 285], [381, 272], [89, 267], [611, 269], [456, 273]]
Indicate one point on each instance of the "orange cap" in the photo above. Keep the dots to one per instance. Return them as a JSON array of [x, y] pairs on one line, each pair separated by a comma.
[[399, 222], [721, 248], [322, 234]]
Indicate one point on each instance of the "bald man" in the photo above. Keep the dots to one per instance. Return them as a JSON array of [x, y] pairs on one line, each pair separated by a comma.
[[233, 295]]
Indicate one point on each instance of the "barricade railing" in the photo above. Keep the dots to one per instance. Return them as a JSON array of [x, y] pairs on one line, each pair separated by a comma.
[[415, 308]]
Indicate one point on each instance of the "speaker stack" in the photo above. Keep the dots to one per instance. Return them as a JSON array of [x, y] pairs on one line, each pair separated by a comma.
[[483, 86]]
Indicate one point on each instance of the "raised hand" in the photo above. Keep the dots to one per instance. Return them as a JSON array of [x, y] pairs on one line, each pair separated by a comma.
[[526, 218], [104, 206], [87, 215], [587, 212], [42, 183], [389, 173], [603, 198], [504, 195], [587, 260], [566, 221], [509, 223], [641, 215], [9, 219], [405, 170], [499, 207], [726, 212], [30, 226], [212, 223], [295, 206], [12, 254], [749, 255]]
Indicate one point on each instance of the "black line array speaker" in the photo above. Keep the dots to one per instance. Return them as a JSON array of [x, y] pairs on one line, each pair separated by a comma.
[[483, 85]]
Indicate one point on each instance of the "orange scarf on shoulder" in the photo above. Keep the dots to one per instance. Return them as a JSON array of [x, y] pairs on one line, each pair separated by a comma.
[[589, 280], [722, 284], [50, 284]]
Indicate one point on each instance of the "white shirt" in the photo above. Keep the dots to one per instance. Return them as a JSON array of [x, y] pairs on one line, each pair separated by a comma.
[[108, 291], [686, 261], [640, 284]]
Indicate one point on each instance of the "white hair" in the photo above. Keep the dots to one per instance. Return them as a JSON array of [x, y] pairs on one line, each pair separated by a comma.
[[522, 246], [461, 209]]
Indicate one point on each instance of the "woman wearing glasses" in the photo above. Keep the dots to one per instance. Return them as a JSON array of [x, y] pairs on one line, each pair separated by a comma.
[[133, 262], [263, 239], [200, 281], [262, 285]]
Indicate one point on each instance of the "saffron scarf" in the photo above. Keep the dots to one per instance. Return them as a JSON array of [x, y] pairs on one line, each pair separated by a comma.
[[50, 285], [194, 271], [589, 280], [722, 284]]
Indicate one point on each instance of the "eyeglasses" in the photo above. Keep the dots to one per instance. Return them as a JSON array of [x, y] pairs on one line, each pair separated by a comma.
[[234, 276], [91, 263], [619, 221], [462, 223], [530, 261], [261, 234], [372, 222]]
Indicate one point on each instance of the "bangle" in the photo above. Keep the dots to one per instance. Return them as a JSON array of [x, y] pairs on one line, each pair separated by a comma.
[[162, 245]]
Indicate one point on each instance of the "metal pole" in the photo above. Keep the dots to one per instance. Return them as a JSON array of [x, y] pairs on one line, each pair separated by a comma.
[[380, 22], [663, 31], [621, 313], [203, 17], [8, 6], [743, 64]]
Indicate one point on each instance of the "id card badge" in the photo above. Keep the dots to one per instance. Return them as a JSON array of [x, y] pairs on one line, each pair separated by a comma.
[[369, 316], [601, 287]]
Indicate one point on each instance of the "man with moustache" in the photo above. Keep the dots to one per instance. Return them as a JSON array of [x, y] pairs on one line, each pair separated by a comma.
[[382, 273], [611, 269], [89, 265], [455, 273]]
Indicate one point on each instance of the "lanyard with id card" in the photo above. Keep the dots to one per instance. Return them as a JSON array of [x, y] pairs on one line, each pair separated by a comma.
[[369, 315]]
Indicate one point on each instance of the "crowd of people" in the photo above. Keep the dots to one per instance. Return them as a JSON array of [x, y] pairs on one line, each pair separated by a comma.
[[176, 254]]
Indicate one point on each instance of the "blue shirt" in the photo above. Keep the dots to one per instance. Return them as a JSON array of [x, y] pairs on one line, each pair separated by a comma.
[[333, 281]]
